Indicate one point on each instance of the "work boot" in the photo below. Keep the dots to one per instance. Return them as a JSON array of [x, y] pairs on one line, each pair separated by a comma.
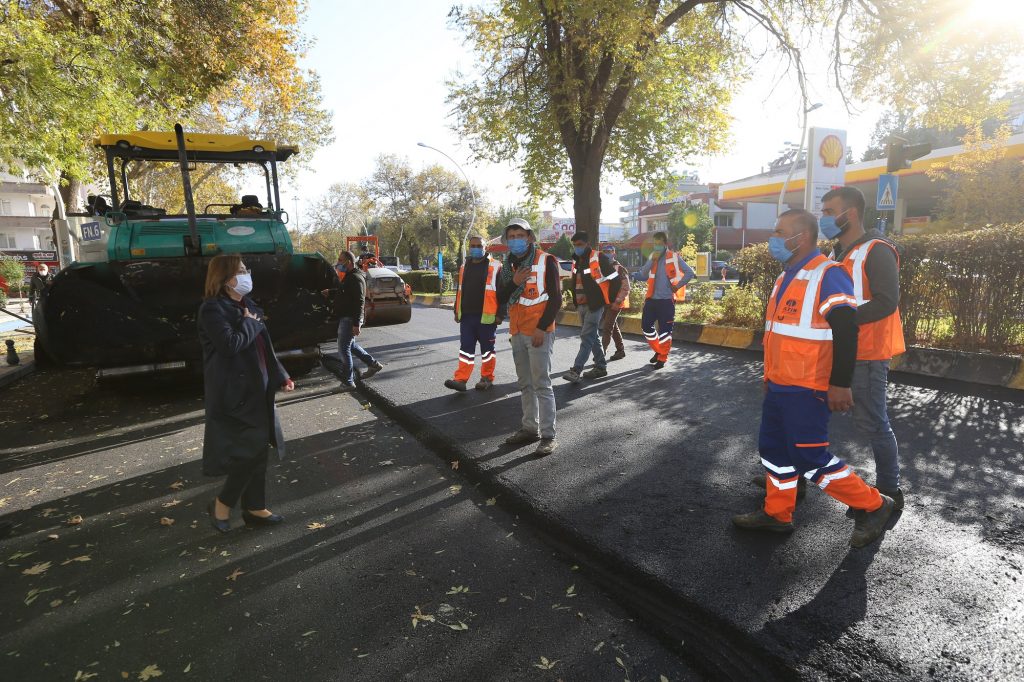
[[522, 437], [759, 520], [455, 385], [619, 354], [484, 384], [545, 447], [897, 499], [595, 373], [869, 526], [344, 387], [573, 376], [801, 485], [660, 364], [654, 359], [371, 370]]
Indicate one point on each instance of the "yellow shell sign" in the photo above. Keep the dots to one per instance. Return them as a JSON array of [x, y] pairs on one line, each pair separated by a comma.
[[831, 151]]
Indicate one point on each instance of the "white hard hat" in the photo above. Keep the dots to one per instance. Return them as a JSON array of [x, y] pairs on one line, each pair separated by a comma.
[[520, 223]]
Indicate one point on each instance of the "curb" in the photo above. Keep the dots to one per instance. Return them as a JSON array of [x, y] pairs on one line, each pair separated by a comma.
[[10, 376], [978, 368], [433, 300], [685, 626]]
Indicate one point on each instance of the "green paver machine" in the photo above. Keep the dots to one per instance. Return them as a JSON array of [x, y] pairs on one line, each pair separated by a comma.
[[128, 301]]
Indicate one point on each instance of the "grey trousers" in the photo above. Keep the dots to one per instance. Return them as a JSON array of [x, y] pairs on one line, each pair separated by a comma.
[[533, 369]]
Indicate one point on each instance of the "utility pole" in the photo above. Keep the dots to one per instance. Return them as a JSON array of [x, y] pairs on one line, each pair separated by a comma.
[[296, 200]]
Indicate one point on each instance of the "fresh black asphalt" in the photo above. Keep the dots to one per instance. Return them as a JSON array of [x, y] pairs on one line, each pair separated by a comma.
[[652, 465]]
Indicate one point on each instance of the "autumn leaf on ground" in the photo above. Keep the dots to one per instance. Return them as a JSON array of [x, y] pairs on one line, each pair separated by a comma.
[[662, 678], [307, 634], [234, 575], [455, 489], [166, 521], [315, 525], [455, 464], [570, 591], [74, 520], [177, 485], [81, 676], [458, 589], [34, 594], [491, 501], [149, 672], [458, 626], [84, 557], [172, 503], [420, 616], [545, 664], [38, 569]]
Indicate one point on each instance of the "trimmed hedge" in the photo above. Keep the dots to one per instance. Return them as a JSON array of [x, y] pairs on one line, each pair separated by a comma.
[[425, 281], [961, 290]]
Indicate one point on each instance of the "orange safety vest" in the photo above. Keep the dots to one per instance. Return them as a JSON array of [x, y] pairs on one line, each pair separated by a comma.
[[490, 310], [674, 272], [881, 339], [626, 284], [797, 338], [595, 273], [525, 314]]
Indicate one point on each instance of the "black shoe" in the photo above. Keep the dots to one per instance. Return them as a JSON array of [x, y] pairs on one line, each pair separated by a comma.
[[869, 526], [654, 359], [659, 365], [222, 526], [253, 520], [619, 354], [759, 520], [455, 385], [595, 373], [344, 387]]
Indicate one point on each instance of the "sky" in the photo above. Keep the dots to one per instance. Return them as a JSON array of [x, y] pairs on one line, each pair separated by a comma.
[[383, 67]]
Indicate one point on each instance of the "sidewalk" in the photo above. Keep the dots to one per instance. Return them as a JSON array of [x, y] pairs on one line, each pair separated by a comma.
[[651, 467], [22, 334]]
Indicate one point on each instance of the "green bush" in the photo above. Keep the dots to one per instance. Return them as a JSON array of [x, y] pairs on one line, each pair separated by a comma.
[[637, 294], [740, 307], [3, 298], [429, 282], [700, 305]]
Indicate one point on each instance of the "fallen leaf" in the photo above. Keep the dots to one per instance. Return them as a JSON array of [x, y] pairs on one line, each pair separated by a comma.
[[491, 501], [74, 520], [52, 536], [420, 616], [177, 485], [34, 594], [570, 591], [458, 589], [502, 600], [600, 645], [84, 557], [315, 525], [38, 569], [55, 603], [619, 661], [455, 465], [149, 672], [172, 503], [166, 521], [234, 575], [662, 678], [84, 676], [307, 634], [455, 489], [459, 626], [187, 668], [20, 555], [545, 664]]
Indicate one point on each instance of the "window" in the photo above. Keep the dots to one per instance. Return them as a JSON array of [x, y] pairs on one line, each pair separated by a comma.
[[7, 241], [5, 207], [723, 219]]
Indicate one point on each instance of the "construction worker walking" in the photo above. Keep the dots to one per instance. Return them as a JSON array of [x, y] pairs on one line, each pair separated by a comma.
[[873, 264], [667, 277], [596, 284], [478, 314], [810, 347], [610, 321], [530, 284]]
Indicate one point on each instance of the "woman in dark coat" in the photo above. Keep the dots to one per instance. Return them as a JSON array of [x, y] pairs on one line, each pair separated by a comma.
[[241, 374]]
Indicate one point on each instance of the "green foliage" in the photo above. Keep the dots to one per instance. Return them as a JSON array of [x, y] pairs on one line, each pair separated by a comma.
[[429, 282], [723, 256], [563, 248], [12, 272], [637, 296], [691, 220], [700, 305], [760, 270], [688, 251], [501, 216], [740, 307]]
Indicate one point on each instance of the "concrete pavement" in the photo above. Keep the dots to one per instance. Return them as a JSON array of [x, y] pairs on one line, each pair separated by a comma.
[[389, 565], [652, 465]]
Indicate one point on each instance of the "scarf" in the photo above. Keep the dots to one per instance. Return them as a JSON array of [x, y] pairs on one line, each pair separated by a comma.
[[507, 273]]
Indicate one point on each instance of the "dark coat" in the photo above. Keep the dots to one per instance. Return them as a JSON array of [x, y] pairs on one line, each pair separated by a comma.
[[349, 297], [240, 417]]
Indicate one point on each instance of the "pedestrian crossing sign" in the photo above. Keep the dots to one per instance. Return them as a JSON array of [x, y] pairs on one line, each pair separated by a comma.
[[888, 186]]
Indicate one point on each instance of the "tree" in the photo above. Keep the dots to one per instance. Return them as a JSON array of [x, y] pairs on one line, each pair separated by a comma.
[[563, 248], [983, 186], [569, 88], [503, 214], [691, 220], [341, 212], [12, 271]]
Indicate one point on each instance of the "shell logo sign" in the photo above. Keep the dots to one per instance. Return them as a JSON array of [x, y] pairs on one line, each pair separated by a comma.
[[831, 151]]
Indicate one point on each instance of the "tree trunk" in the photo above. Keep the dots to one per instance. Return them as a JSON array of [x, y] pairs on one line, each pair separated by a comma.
[[70, 190], [586, 194], [414, 255]]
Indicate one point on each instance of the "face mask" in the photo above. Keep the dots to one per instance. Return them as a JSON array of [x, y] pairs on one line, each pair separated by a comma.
[[829, 226], [243, 284], [777, 247], [517, 246], [476, 252], [658, 249], [579, 250], [341, 268]]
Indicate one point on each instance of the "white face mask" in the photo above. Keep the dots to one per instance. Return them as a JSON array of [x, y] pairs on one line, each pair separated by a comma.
[[243, 284]]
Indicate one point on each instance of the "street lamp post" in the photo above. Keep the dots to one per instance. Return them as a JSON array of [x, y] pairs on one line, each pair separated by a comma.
[[472, 193], [799, 150]]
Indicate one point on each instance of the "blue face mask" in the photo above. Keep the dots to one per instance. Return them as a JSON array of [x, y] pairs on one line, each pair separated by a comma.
[[341, 268], [579, 250], [658, 249], [476, 252], [517, 246], [777, 247], [829, 227]]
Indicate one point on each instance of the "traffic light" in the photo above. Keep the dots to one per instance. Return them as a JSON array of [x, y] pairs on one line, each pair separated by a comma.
[[899, 154]]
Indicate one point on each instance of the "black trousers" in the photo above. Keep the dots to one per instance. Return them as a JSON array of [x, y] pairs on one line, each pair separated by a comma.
[[247, 479]]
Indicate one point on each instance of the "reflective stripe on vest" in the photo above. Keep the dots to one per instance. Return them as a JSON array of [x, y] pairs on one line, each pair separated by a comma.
[[881, 339], [599, 278], [534, 292], [524, 315], [797, 340], [490, 309]]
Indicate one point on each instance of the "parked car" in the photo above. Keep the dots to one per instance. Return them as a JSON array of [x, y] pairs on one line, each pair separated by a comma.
[[566, 267], [730, 272], [393, 264]]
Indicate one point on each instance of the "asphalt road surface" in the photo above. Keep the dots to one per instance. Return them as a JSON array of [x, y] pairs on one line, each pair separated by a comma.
[[389, 566], [651, 466]]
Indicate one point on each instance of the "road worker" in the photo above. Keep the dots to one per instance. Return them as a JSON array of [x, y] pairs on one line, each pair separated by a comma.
[[667, 276], [810, 348], [530, 284], [874, 265], [610, 322], [596, 284], [478, 314]]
